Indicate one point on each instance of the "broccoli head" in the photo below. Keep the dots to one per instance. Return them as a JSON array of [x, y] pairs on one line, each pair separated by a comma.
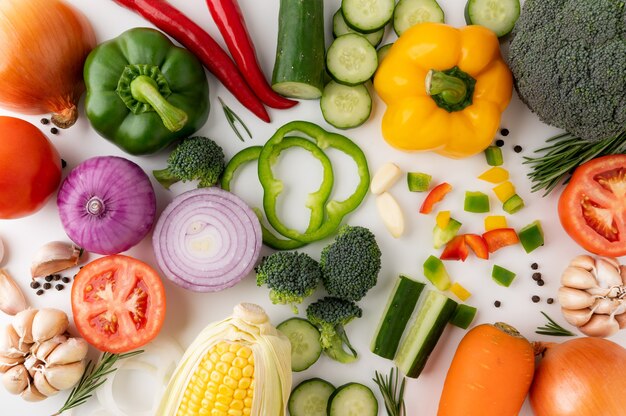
[[351, 263], [330, 315], [567, 59], [195, 158], [290, 276]]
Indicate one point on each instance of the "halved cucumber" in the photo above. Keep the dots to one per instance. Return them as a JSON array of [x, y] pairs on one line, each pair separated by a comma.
[[367, 16], [305, 342], [408, 13], [351, 59], [352, 399], [340, 27], [310, 398], [497, 15], [345, 106]]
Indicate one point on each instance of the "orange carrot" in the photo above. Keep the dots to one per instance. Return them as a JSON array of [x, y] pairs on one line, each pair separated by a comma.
[[490, 373]]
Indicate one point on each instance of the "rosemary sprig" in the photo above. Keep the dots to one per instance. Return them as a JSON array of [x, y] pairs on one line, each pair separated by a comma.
[[563, 154], [232, 118], [93, 377], [388, 386], [553, 329]]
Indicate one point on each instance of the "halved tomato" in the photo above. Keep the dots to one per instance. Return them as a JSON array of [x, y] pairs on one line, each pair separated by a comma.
[[592, 208], [118, 303]]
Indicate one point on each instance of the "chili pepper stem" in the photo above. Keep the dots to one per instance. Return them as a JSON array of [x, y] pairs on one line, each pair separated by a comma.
[[145, 90]]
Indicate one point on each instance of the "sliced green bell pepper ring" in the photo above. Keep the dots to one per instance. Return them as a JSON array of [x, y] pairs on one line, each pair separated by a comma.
[[143, 92], [335, 210]]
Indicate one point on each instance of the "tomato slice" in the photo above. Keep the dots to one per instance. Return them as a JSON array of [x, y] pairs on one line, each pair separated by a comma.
[[592, 208], [118, 303]]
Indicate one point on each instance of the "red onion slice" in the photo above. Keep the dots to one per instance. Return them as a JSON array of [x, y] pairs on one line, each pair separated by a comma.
[[207, 240], [107, 204]]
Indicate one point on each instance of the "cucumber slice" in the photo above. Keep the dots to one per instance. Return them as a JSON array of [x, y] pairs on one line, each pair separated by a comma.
[[397, 313], [345, 106], [340, 27], [351, 59], [408, 13], [497, 15], [383, 51], [424, 333], [310, 398], [352, 399], [305, 342], [367, 16]]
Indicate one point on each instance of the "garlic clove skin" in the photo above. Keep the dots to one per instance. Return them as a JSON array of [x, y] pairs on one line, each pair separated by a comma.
[[607, 274], [72, 350], [611, 260], [49, 323], [621, 320], [31, 394], [54, 257], [2, 251], [15, 380], [6, 363], [63, 377], [584, 262], [10, 343], [42, 385], [32, 365], [577, 317], [600, 326], [605, 306], [622, 272], [574, 299], [23, 324], [578, 278], [45, 348], [12, 299]]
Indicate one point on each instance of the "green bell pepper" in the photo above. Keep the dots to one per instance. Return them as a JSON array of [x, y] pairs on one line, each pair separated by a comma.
[[143, 92]]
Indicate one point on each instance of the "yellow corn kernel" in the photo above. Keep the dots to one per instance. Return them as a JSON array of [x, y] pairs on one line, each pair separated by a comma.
[[495, 175], [460, 291], [234, 412], [504, 191], [493, 222], [244, 383], [248, 371], [443, 218]]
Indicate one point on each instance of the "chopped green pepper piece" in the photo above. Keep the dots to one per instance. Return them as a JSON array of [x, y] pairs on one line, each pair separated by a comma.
[[463, 316], [334, 210], [493, 154], [418, 181], [502, 276], [513, 204], [442, 236], [435, 271], [476, 202], [531, 236]]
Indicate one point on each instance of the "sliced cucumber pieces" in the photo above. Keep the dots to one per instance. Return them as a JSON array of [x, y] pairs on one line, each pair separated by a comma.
[[383, 51], [497, 15], [408, 13], [305, 342], [310, 398], [340, 27], [352, 399], [345, 106], [351, 59], [367, 16]]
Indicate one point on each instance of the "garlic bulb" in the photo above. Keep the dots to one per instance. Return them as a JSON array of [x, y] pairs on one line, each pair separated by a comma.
[[593, 295]]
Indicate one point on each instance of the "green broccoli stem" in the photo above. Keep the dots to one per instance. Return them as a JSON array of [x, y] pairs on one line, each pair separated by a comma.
[[336, 350], [145, 90], [451, 89], [165, 177]]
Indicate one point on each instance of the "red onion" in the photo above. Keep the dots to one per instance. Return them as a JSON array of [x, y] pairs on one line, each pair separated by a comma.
[[207, 240], [107, 204]]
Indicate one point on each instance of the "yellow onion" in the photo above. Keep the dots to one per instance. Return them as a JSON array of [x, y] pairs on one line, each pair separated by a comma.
[[44, 44], [580, 377]]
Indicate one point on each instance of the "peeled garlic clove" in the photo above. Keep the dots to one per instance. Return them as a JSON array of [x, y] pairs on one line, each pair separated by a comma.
[[31, 394], [45, 348], [574, 299], [63, 377], [578, 278], [391, 214], [72, 350], [605, 306], [9, 342], [584, 262], [23, 324], [12, 299], [577, 317], [600, 326], [48, 323], [15, 380], [43, 386], [54, 257], [384, 178], [607, 274], [6, 363]]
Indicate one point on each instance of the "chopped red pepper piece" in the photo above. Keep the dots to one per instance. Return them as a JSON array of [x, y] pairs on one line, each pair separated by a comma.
[[500, 237], [455, 249], [478, 245], [435, 196]]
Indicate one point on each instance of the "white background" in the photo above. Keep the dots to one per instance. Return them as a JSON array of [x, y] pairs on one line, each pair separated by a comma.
[[189, 312]]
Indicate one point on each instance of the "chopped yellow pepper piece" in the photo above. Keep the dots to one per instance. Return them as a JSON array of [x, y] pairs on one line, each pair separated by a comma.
[[495, 175], [460, 292], [443, 218], [504, 191], [494, 222]]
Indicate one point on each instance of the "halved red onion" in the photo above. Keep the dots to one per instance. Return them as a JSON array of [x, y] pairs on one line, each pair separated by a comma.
[[107, 204], [207, 240]]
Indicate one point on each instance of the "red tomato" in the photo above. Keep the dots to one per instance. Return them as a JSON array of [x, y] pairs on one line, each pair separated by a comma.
[[30, 168], [592, 208], [118, 303]]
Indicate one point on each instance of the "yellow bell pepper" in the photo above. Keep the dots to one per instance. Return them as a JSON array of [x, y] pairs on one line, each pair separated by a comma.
[[445, 89]]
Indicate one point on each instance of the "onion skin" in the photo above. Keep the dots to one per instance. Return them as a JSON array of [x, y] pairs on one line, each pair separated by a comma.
[[580, 377], [44, 45]]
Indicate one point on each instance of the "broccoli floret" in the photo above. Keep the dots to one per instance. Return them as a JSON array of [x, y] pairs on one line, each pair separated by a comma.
[[330, 315], [351, 263], [195, 158], [567, 58], [290, 276]]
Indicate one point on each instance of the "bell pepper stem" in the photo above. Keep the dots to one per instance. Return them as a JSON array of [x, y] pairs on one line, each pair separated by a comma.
[[451, 89], [145, 90]]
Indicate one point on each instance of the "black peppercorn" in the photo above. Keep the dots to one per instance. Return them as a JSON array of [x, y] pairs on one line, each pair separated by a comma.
[[35, 285], [540, 282], [54, 130], [47, 286], [536, 298], [504, 132], [57, 277], [39, 292], [550, 301], [534, 266], [497, 304], [65, 279], [44, 121], [536, 276], [517, 148], [49, 278], [63, 163], [499, 142], [59, 287]]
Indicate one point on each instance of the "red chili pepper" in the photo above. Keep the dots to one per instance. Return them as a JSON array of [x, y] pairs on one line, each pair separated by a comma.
[[500, 237], [456, 249], [169, 19], [434, 196], [229, 19], [478, 245]]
